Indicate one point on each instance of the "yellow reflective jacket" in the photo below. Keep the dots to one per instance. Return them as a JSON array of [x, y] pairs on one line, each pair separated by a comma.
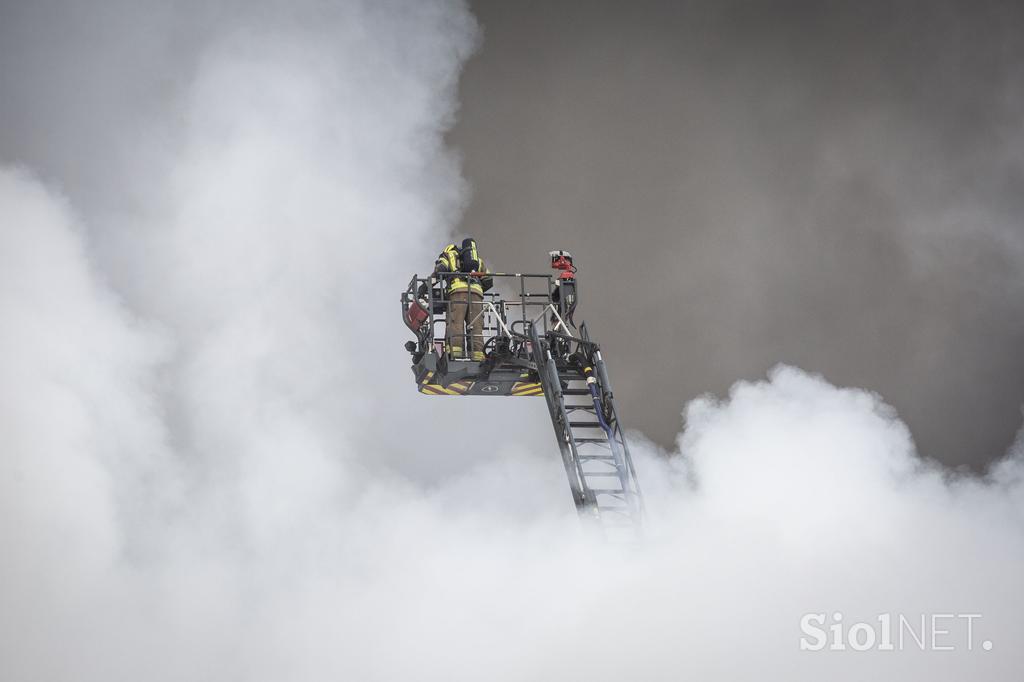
[[451, 261]]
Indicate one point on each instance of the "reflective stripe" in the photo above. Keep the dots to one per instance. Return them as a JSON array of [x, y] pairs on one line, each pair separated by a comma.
[[460, 285], [450, 257]]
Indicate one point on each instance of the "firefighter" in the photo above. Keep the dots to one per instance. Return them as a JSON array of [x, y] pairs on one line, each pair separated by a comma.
[[465, 297]]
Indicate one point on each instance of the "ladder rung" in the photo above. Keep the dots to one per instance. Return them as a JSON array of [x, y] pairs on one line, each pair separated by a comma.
[[620, 514]]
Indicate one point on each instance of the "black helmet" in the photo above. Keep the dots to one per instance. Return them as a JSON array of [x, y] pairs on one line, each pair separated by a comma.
[[468, 242]]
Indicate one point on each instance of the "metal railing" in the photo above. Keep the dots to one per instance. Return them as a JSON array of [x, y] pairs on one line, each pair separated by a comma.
[[510, 310]]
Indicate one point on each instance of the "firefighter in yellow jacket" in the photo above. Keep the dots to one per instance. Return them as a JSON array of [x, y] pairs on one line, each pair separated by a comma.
[[465, 296]]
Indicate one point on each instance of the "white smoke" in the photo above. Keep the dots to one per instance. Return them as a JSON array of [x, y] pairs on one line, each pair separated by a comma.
[[215, 465]]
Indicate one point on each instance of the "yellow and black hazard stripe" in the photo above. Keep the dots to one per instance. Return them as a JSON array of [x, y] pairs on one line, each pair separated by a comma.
[[460, 387], [454, 388], [525, 388]]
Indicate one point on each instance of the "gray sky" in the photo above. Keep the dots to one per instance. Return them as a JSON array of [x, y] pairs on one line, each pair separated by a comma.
[[833, 185]]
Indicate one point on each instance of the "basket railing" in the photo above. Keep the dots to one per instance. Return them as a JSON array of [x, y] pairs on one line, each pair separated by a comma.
[[509, 310]]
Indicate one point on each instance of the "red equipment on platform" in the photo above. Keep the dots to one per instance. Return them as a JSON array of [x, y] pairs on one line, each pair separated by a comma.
[[562, 260]]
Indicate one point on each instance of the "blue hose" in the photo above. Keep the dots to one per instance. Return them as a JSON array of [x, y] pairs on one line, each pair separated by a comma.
[[592, 385]]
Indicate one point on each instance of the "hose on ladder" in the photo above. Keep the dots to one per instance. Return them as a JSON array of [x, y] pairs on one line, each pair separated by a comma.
[[620, 465]]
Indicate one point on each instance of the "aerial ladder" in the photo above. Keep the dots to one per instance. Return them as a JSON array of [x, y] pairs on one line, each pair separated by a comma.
[[533, 347]]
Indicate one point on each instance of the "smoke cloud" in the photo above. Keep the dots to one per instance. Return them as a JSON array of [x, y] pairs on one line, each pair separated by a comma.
[[214, 464]]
